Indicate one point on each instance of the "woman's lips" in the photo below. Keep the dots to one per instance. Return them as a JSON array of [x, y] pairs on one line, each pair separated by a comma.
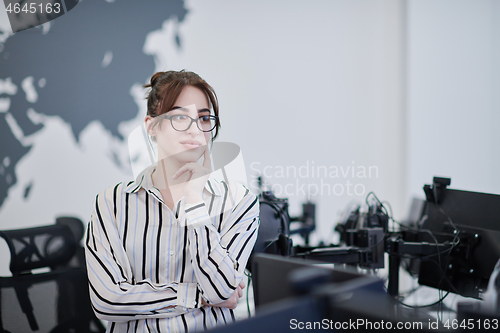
[[191, 144]]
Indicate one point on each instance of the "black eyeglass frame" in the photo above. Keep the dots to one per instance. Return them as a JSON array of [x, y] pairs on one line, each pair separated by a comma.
[[192, 121]]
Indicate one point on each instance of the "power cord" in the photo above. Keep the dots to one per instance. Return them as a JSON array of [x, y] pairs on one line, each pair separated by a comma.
[[249, 278]]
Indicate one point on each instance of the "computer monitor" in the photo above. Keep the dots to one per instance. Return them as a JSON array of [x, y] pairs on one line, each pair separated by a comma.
[[271, 278], [472, 219]]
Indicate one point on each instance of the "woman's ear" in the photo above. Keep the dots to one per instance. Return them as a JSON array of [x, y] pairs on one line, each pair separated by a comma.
[[148, 124]]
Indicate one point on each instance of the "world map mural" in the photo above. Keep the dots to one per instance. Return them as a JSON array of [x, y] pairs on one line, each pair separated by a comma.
[[77, 69]]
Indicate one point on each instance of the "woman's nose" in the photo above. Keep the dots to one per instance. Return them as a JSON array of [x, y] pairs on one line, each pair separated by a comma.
[[193, 113], [193, 129]]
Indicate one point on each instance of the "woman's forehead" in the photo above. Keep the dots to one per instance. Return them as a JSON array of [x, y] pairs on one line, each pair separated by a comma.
[[191, 95], [189, 108]]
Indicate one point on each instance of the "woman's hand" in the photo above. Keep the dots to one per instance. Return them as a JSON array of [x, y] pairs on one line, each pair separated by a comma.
[[197, 179], [232, 301]]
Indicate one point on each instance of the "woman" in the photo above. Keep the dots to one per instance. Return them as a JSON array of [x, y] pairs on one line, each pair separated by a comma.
[[167, 252]]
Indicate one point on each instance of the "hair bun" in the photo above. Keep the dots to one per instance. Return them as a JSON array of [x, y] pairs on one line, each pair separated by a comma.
[[155, 78]]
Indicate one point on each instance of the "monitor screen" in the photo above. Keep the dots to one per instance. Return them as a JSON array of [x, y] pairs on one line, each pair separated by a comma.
[[271, 275]]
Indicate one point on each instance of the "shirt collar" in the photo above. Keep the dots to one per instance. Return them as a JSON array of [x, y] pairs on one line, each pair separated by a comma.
[[144, 181]]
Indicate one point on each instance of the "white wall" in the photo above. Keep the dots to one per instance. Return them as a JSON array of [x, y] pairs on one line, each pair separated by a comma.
[[453, 94], [453, 102], [307, 82]]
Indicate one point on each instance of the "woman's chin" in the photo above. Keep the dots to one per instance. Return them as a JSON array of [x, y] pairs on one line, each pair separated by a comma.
[[189, 155], [184, 155]]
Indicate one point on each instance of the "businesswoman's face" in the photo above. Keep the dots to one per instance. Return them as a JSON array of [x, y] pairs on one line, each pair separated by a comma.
[[183, 132]]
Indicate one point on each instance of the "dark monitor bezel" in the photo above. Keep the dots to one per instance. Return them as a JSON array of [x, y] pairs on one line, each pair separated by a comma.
[[466, 269], [270, 278]]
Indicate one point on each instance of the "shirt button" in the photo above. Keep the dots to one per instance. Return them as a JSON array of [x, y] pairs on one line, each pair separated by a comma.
[[194, 302], [171, 253]]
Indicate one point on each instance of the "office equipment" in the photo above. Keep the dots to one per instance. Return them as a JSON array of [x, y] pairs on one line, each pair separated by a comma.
[[276, 278], [306, 222], [362, 237], [273, 236], [296, 294], [56, 300], [469, 222]]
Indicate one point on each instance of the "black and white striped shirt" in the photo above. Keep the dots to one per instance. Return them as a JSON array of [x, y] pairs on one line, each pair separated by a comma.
[[142, 257]]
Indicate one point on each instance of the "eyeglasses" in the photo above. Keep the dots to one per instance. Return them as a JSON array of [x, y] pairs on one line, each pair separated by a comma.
[[181, 122]]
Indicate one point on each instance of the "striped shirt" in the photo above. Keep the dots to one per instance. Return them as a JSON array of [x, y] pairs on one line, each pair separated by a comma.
[[143, 257]]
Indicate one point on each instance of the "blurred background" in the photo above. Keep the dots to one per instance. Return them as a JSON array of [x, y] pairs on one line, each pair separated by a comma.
[[328, 100]]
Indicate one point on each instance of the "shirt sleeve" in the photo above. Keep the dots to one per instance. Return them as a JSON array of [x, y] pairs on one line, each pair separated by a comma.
[[114, 292], [220, 257]]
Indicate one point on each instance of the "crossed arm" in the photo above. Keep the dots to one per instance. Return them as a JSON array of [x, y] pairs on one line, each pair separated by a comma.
[[218, 260]]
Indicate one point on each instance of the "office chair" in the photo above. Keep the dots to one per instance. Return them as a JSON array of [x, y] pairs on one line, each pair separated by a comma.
[[48, 290]]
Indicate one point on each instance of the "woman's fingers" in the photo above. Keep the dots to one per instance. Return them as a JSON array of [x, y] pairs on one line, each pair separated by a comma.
[[180, 172], [194, 168], [232, 301], [207, 162]]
